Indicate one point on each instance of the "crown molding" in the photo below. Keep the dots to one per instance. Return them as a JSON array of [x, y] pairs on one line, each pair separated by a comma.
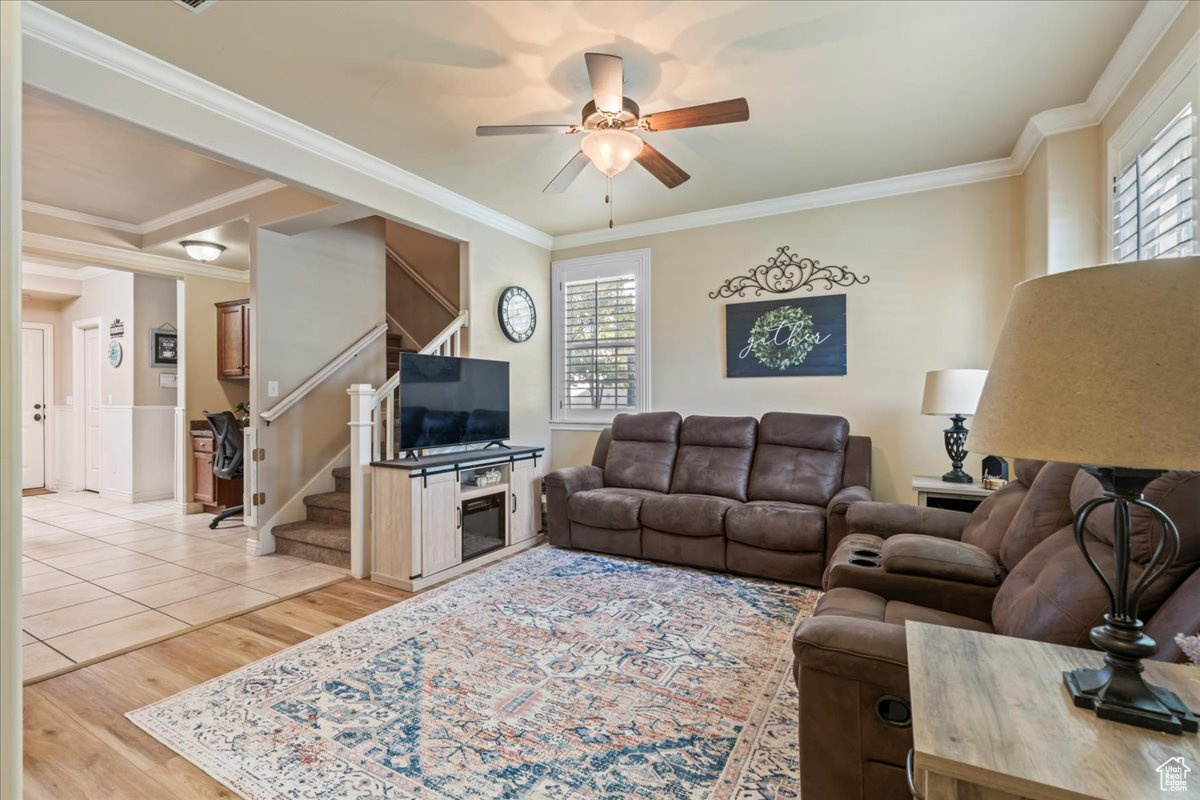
[[64, 33], [822, 198], [79, 216], [49, 270], [109, 257], [216, 203]]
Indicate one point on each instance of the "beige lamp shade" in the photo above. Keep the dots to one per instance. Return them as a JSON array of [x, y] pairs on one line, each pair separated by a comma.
[[1099, 366], [952, 391]]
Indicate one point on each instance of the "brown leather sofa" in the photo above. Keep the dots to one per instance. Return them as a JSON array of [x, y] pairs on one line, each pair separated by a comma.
[[851, 659], [952, 560], [723, 493]]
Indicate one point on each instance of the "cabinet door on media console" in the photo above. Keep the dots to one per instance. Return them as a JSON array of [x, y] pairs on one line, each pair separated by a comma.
[[440, 534], [526, 501]]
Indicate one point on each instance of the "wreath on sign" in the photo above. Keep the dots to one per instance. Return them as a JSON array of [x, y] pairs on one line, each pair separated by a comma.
[[782, 337]]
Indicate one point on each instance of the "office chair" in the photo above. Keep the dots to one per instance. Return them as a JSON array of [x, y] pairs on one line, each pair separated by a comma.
[[227, 455]]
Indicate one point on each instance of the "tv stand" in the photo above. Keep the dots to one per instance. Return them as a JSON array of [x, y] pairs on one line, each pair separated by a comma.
[[418, 511]]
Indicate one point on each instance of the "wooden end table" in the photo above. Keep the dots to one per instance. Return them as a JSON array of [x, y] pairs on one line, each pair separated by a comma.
[[992, 721], [934, 492]]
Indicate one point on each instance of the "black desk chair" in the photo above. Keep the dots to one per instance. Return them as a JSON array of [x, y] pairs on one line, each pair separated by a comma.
[[227, 455]]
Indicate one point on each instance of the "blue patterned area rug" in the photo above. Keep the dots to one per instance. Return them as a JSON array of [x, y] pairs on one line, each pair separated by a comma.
[[555, 674]]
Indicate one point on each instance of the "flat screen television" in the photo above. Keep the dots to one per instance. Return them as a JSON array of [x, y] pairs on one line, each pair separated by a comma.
[[447, 401]]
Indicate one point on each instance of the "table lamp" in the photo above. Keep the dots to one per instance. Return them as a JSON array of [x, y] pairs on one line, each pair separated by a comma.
[[954, 393], [1101, 367]]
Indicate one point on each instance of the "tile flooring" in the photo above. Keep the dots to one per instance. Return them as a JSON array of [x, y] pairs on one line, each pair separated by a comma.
[[102, 576]]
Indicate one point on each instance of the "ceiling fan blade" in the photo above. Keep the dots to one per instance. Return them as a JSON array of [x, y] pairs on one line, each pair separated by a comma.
[[661, 167], [509, 130], [567, 174], [694, 116], [607, 74]]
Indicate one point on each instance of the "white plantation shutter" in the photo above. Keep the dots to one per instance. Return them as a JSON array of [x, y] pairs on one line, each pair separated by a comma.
[[600, 358], [1154, 203]]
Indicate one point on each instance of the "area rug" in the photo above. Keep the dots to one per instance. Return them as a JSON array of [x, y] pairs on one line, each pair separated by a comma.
[[555, 674]]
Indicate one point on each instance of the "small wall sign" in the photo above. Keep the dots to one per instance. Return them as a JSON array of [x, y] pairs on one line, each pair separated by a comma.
[[164, 348], [778, 338], [116, 330]]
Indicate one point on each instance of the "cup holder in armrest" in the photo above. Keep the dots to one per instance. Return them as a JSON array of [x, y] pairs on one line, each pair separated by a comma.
[[862, 562], [865, 553]]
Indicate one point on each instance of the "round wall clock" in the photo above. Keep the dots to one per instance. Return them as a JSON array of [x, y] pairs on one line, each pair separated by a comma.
[[518, 317], [115, 352]]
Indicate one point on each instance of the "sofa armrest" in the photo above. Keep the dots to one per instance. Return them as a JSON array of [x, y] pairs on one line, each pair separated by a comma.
[[560, 485], [867, 650], [835, 515], [889, 519], [944, 559]]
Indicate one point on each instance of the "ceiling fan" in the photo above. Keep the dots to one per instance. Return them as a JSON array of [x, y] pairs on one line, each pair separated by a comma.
[[609, 118]]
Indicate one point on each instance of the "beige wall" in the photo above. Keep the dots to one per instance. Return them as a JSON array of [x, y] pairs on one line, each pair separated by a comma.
[[941, 266], [1063, 228], [155, 303], [34, 309], [313, 294], [108, 297], [203, 390], [1035, 213]]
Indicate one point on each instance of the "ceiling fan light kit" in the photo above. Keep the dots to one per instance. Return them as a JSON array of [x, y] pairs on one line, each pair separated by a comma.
[[608, 119], [202, 251]]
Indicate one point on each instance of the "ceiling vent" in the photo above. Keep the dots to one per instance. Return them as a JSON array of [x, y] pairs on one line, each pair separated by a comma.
[[195, 6]]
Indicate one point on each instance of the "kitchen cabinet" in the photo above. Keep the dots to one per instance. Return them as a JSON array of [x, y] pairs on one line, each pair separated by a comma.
[[233, 340]]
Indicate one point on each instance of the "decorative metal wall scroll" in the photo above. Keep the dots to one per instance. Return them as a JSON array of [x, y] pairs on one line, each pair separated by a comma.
[[784, 273]]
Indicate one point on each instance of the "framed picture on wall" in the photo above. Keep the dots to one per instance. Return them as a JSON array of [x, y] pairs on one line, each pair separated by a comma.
[[164, 348], [775, 338]]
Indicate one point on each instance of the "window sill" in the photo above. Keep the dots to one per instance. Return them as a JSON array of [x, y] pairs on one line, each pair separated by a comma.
[[560, 425]]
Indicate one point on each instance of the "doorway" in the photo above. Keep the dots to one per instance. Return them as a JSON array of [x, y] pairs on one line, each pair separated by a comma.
[[37, 365]]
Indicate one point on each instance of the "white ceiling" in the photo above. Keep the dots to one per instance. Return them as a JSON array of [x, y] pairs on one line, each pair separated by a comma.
[[839, 92], [81, 161]]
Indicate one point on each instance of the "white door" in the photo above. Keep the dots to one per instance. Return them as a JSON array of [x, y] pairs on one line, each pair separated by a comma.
[[33, 408], [91, 409]]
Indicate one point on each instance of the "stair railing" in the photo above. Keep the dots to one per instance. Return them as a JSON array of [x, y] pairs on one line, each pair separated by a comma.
[[419, 279], [317, 378], [373, 438]]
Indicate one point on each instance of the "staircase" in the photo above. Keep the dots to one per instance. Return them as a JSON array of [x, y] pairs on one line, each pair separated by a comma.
[[324, 535], [397, 343]]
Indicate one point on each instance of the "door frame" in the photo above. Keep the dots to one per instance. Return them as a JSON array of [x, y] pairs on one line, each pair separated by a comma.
[[49, 480], [79, 401]]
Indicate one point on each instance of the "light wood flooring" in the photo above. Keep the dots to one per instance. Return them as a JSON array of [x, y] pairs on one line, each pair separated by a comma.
[[78, 743]]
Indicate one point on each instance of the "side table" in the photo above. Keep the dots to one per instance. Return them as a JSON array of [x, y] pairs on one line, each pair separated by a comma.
[[937, 493], [991, 720]]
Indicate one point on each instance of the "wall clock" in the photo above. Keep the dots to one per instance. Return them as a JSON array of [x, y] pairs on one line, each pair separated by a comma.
[[115, 352], [517, 314]]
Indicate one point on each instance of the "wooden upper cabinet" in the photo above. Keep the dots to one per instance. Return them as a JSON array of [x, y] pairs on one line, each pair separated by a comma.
[[233, 340]]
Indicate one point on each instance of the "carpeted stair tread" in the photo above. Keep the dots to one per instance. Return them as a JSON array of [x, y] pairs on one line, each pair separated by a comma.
[[339, 501], [341, 472], [318, 534]]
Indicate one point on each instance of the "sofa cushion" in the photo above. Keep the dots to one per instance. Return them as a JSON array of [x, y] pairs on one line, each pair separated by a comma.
[[1046, 509], [616, 509], [686, 514], [641, 454], [714, 456], [773, 525], [945, 559], [799, 458]]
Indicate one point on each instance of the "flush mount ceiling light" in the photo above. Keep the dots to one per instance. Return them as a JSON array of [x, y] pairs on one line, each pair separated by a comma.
[[611, 150], [202, 251]]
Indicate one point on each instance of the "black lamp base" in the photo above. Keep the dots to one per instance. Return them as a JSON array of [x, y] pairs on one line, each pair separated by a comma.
[[956, 447], [1114, 695]]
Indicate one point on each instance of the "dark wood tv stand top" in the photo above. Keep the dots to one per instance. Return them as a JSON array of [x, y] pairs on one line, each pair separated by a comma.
[[446, 462]]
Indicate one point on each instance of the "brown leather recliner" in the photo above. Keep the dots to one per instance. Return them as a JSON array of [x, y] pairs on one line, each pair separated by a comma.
[[851, 658], [714, 492], [952, 560]]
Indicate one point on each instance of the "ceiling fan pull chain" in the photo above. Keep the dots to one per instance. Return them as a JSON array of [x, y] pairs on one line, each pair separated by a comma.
[[608, 198]]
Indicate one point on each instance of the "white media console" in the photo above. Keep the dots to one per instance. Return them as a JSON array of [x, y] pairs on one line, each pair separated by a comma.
[[434, 518]]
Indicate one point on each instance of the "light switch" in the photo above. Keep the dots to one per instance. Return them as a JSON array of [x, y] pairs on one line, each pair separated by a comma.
[[272, 388]]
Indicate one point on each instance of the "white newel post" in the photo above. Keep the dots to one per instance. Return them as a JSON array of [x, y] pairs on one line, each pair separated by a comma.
[[361, 400]]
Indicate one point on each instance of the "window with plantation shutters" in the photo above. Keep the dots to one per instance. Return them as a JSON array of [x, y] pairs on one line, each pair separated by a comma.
[[600, 354], [1154, 203]]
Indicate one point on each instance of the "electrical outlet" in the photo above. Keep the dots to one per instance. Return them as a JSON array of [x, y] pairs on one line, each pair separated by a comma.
[[272, 388]]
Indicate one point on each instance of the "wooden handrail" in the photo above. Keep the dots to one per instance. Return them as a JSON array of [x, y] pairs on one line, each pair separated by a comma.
[[296, 395], [438, 297]]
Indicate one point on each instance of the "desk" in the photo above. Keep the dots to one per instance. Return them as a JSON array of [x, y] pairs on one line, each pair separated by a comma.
[[214, 494], [992, 721]]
